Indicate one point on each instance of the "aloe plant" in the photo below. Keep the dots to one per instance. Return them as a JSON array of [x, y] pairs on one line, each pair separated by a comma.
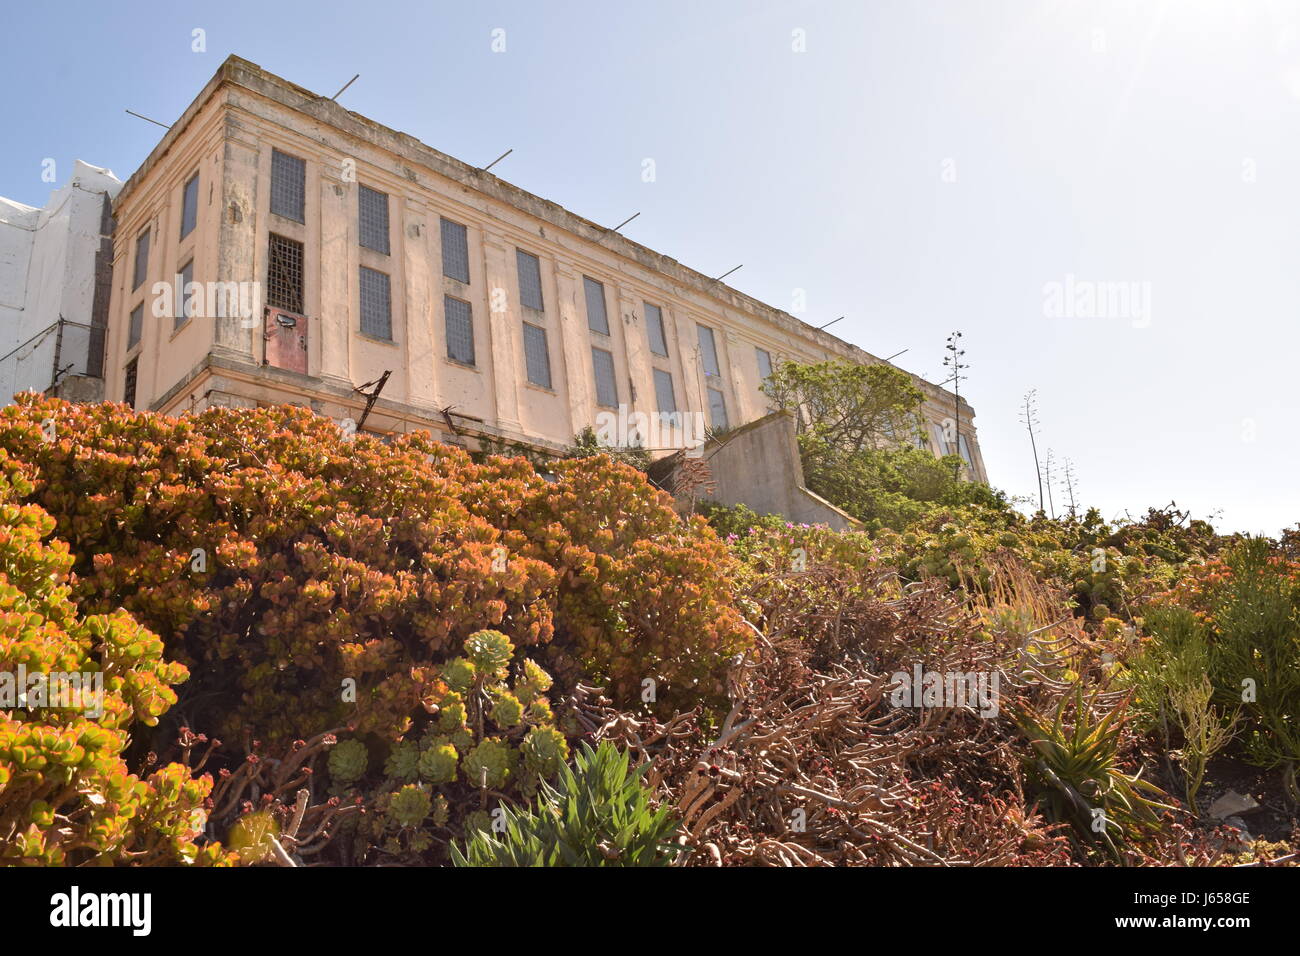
[[596, 814], [1078, 769]]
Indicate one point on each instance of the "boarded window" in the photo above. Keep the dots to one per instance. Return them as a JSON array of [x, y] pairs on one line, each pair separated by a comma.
[[190, 206], [602, 363], [708, 351], [288, 186], [284, 274], [372, 219], [597, 320], [664, 396], [135, 328], [530, 279], [376, 305], [536, 355], [764, 358], [455, 251], [460, 330], [128, 385], [184, 302], [141, 259], [654, 326], [717, 408]]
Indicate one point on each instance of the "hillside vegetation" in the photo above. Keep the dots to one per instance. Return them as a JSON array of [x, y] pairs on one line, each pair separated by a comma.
[[320, 650]]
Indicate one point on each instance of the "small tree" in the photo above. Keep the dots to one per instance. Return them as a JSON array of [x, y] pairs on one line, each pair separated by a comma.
[[844, 407]]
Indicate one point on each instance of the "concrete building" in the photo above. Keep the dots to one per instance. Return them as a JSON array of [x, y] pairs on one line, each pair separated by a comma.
[[54, 288], [318, 253]]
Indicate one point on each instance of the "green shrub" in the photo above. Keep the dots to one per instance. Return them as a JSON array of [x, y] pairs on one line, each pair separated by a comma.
[[1248, 603], [67, 797], [597, 814], [1172, 681]]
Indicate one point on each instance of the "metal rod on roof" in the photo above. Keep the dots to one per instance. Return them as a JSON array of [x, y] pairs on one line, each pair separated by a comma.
[[830, 323], [498, 159], [625, 222], [729, 272], [145, 118], [345, 86], [897, 354]]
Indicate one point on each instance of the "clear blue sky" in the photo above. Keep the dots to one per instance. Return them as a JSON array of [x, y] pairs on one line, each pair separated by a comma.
[[923, 166]]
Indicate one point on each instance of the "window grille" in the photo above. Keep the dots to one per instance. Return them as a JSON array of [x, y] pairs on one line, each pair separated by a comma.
[[288, 186]]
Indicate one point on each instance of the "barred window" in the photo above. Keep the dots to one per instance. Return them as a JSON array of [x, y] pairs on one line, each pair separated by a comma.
[[376, 305], [717, 408], [530, 279], [284, 274], [606, 385], [455, 251], [184, 303], [460, 330], [372, 218], [190, 205], [288, 186], [135, 328], [654, 324], [764, 364], [128, 385], [537, 356], [597, 320], [141, 259], [664, 396], [708, 351]]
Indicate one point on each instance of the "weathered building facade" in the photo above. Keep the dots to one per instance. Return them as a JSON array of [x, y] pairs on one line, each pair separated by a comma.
[[339, 251]]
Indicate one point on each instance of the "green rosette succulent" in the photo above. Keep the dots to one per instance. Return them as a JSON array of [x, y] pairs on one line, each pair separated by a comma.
[[347, 761], [490, 763], [438, 762], [410, 806]]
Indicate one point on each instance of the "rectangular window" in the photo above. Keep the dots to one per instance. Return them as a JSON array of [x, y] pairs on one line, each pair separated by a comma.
[[284, 274], [708, 351], [141, 259], [597, 320], [654, 327], [717, 408], [372, 219], [376, 305], [190, 205], [664, 396], [965, 450], [135, 328], [128, 385], [536, 355], [460, 330], [530, 279], [288, 186], [455, 251], [940, 444], [606, 385], [764, 364], [184, 304]]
